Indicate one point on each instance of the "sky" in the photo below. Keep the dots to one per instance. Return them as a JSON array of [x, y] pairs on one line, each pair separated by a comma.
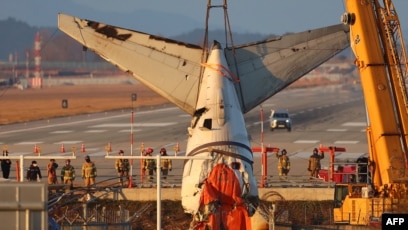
[[174, 17]]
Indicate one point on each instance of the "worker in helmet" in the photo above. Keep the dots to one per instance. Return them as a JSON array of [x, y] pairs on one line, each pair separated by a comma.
[[149, 164], [314, 163], [122, 166], [52, 172], [68, 174], [165, 164], [88, 172], [283, 163]]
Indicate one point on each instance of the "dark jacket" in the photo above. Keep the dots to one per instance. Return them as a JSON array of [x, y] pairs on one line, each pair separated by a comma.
[[5, 164], [33, 173]]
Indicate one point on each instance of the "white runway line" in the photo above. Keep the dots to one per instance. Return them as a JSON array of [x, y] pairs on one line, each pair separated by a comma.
[[128, 130], [346, 142], [354, 124], [29, 143], [67, 142], [306, 141], [62, 131], [96, 131]]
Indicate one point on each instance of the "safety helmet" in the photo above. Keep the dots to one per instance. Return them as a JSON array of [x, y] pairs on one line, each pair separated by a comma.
[[149, 150], [283, 152], [121, 152], [315, 151]]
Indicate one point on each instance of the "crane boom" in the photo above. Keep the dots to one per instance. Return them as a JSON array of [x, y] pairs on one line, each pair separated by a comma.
[[376, 40]]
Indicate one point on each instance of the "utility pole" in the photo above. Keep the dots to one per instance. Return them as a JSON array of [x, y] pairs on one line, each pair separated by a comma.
[[133, 98]]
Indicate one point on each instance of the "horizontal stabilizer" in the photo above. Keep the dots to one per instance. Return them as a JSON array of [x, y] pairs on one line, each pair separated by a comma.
[[173, 69], [264, 68]]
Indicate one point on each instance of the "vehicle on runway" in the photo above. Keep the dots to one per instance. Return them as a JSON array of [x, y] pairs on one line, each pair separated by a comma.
[[280, 119], [216, 86]]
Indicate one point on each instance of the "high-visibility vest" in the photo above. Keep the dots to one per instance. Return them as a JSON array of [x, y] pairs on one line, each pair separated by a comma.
[[68, 172], [284, 162], [88, 170]]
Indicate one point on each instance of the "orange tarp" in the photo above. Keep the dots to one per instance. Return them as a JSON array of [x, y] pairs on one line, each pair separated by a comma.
[[223, 192]]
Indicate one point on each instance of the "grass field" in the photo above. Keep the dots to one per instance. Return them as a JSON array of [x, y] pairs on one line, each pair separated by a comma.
[[35, 104]]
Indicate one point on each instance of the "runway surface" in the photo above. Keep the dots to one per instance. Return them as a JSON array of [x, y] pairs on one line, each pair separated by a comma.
[[326, 115]]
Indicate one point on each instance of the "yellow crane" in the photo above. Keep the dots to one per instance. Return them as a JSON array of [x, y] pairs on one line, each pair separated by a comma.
[[377, 43]]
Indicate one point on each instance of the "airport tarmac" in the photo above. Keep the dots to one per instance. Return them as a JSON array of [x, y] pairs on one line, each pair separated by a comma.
[[327, 116]]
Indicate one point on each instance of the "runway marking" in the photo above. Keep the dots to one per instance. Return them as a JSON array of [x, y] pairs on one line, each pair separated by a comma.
[[128, 130], [306, 141], [336, 130], [96, 131], [354, 124], [62, 131], [86, 121], [135, 125], [67, 142], [346, 142], [29, 143]]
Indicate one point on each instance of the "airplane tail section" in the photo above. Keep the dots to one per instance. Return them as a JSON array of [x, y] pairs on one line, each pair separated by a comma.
[[264, 68], [173, 69]]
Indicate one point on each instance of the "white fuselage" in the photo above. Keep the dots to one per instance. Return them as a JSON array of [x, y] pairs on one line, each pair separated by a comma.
[[218, 128]]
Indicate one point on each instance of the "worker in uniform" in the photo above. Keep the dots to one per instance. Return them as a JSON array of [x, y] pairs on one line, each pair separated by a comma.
[[314, 163], [165, 164], [122, 166], [88, 172], [283, 163], [68, 174], [5, 165], [52, 172], [149, 164], [34, 172]]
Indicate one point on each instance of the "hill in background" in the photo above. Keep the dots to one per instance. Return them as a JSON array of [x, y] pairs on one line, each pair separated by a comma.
[[57, 46]]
